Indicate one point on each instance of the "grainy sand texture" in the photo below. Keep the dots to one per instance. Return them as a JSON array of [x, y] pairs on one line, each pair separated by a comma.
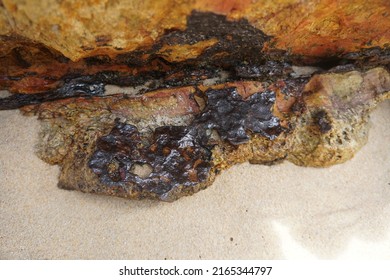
[[251, 211]]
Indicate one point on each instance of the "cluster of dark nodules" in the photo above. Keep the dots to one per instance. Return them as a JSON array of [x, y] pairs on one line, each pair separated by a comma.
[[180, 156], [175, 157], [232, 117]]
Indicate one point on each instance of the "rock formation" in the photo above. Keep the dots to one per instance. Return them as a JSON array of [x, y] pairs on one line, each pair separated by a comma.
[[153, 99]]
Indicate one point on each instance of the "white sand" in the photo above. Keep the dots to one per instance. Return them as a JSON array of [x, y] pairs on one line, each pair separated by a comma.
[[276, 212]]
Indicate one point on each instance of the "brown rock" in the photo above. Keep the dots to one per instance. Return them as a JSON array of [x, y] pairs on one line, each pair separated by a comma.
[[330, 128], [152, 99]]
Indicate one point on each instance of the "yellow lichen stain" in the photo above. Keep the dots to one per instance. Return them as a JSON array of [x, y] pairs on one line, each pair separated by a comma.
[[178, 53]]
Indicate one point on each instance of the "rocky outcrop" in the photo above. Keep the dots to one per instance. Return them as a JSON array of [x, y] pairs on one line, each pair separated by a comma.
[[153, 99], [170, 143]]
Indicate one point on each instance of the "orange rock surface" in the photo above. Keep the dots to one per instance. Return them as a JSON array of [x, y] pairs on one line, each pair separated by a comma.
[[79, 29], [153, 99]]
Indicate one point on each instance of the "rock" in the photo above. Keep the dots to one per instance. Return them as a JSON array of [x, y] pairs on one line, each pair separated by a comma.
[[153, 99], [79, 29], [311, 122]]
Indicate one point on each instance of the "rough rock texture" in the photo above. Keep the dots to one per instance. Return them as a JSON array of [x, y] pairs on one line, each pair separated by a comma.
[[46, 44], [100, 142], [83, 28], [152, 99]]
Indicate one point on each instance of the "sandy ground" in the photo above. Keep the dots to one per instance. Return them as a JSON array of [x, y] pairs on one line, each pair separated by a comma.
[[251, 212]]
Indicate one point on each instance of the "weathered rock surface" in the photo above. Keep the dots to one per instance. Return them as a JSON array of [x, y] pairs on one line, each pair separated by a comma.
[[153, 99], [104, 144], [79, 29]]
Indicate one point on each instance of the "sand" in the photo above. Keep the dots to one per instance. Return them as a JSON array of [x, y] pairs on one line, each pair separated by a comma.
[[250, 212]]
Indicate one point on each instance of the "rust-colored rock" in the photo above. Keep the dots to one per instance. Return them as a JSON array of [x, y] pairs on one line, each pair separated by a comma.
[[98, 142], [152, 99], [79, 29]]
